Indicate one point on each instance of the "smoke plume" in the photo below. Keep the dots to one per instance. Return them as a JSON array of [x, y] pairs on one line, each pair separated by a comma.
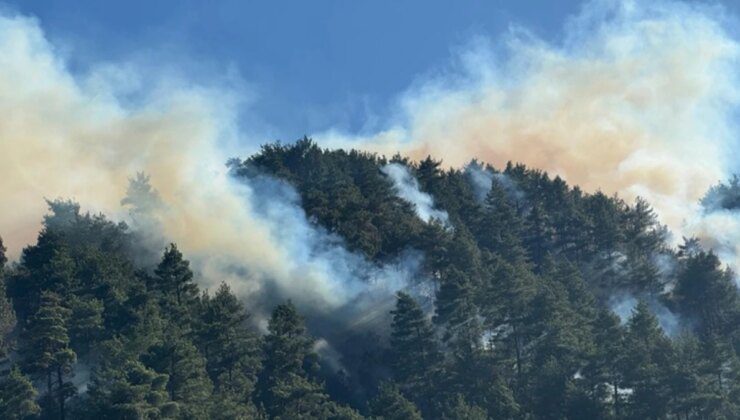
[[481, 178], [407, 188], [73, 136], [624, 305], [639, 98]]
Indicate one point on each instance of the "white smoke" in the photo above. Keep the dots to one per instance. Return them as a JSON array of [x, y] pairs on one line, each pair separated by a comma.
[[81, 137], [624, 305], [719, 230], [481, 179], [639, 98], [407, 188], [324, 275]]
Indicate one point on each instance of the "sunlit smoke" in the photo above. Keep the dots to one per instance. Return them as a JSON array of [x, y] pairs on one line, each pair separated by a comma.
[[65, 135], [638, 98]]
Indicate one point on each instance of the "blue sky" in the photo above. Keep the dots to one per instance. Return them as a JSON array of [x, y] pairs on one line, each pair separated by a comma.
[[639, 98], [310, 64]]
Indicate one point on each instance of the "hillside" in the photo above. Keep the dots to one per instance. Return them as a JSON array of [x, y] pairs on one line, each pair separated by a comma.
[[522, 297]]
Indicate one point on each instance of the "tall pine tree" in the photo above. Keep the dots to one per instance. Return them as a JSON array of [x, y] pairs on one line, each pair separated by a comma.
[[415, 357], [287, 387], [174, 284], [17, 397], [47, 354]]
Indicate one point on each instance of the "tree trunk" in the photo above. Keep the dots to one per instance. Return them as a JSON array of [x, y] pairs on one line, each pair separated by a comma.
[[616, 399], [518, 356], [170, 382], [60, 387], [48, 382]]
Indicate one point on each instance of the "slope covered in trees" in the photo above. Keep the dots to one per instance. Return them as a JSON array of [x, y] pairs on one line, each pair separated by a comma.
[[529, 279]]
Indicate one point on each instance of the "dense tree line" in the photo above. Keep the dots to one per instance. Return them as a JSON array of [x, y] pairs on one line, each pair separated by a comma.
[[524, 278]]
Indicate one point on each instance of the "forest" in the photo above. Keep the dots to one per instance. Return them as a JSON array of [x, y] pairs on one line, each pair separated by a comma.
[[533, 300]]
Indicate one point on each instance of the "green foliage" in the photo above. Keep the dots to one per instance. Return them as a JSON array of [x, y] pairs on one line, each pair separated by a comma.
[[188, 384], [47, 354], [173, 284], [7, 322], [86, 322], [231, 350], [458, 408], [415, 357], [390, 404], [515, 321], [287, 389], [130, 391], [647, 357], [723, 196], [17, 397], [706, 292], [343, 190], [3, 258]]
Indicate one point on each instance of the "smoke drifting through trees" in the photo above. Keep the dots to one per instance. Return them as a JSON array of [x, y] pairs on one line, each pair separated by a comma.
[[591, 111], [481, 178], [181, 136], [407, 187], [624, 307], [250, 233], [520, 322], [609, 108]]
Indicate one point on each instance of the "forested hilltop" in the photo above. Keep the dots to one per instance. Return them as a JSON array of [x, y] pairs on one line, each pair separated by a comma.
[[534, 300]]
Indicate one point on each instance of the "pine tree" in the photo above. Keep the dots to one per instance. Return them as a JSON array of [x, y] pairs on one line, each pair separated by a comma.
[[390, 404], [7, 321], [566, 277], [129, 391], [286, 387], [648, 354], [231, 350], [454, 301], [47, 353], [558, 352], [692, 395], [47, 266], [721, 374], [458, 408], [473, 373], [7, 314], [3, 257], [706, 292], [174, 284], [17, 397], [188, 384], [605, 232], [141, 197], [501, 229], [604, 371], [506, 305], [642, 232], [644, 276], [538, 236], [429, 175], [414, 354], [86, 323]]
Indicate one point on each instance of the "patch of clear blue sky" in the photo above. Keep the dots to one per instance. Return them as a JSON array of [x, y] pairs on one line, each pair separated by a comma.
[[312, 64]]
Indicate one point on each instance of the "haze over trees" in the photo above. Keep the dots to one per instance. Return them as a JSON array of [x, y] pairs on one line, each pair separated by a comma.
[[546, 303]]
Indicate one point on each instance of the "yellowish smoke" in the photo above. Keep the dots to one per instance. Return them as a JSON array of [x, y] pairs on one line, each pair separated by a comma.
[[639, 104], [70, 138]]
